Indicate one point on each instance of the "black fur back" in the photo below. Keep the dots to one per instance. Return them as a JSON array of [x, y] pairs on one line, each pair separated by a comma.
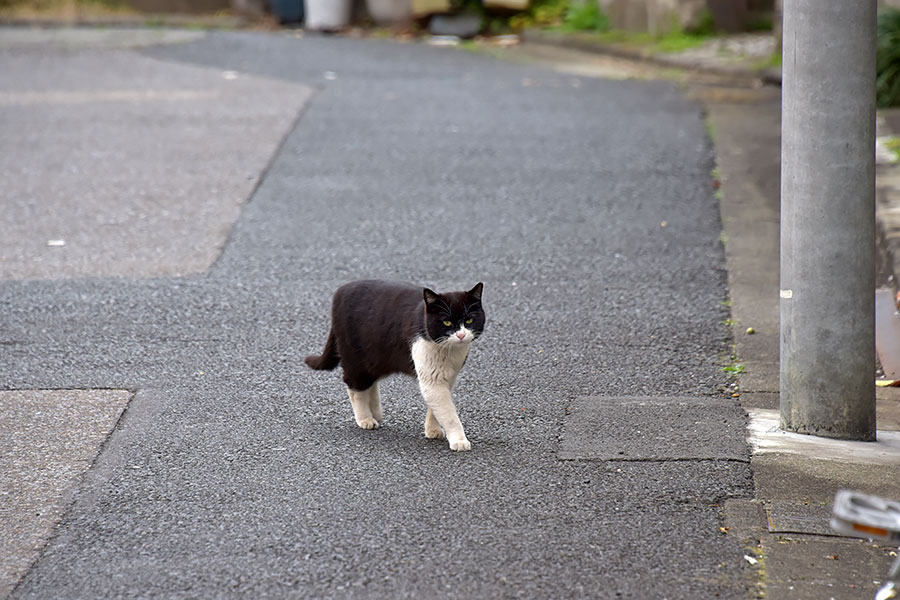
[[373, 324]]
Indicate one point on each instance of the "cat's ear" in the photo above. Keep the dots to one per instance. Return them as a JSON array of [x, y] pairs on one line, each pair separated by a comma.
[[475, 292], [431, 297]]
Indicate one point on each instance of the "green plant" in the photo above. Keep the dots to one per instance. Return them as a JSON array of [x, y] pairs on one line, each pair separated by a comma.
[[585, 16], [760, 23], [706, 24], [541, 13], [771, 62], [733, 369], [887, 59], [677, 41], [892, 143], [711, 134]]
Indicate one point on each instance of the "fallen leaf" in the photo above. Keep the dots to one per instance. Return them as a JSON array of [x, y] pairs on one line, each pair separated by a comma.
[[887, 382]]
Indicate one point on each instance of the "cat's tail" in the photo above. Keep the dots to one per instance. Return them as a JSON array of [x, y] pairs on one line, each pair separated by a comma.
[[329, 358]]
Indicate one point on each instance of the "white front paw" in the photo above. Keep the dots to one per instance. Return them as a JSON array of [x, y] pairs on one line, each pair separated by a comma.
[[368, 423], [460, 445]]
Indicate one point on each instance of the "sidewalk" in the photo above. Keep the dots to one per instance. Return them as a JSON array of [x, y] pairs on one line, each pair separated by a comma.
[[785, 528], [746, 56], [795, 477]]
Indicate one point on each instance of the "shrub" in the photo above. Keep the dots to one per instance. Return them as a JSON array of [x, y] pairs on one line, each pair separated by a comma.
[[585, 16], [887, 59]]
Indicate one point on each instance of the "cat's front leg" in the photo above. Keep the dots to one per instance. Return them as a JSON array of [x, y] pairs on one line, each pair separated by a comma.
[[432, 427], [440, 405]]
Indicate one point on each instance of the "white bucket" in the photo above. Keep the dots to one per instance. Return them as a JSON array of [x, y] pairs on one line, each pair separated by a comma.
[[327, 15]]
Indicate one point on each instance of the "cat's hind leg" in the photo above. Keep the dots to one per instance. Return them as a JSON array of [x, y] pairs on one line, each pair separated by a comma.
[[362, 408], [432, 427], [375, 403]]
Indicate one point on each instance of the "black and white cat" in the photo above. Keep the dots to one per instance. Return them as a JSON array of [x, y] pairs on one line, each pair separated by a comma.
[[379, 328]]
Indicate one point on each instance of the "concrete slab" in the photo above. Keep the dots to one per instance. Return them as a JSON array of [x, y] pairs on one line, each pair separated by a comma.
[[745, 518], [48, 439], [750, 207], [765, 436], [629, 428], [887, 408], [817, 568], [84, 196], [797, 478], [768, 400], [785, 516]]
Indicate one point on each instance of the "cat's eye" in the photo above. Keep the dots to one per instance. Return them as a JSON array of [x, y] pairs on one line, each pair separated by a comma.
[[469, 321], [447, 323]]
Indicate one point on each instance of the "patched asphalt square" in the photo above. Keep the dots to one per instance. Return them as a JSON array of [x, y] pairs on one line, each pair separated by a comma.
[[630, 428]]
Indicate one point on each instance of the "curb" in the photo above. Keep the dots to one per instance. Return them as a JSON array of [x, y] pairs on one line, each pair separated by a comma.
[[586, 43]]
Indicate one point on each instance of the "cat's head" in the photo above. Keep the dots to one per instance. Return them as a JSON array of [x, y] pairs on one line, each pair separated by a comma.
[[454, 317]]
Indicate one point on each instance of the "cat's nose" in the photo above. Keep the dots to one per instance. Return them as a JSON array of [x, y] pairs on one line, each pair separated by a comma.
[[461, 335]]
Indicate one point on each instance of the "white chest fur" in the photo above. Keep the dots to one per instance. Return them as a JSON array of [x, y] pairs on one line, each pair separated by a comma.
[[437, 366]]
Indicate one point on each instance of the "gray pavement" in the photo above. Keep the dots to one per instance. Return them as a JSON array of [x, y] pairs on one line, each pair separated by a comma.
[[48, 439], [116, 164], [587, 208]]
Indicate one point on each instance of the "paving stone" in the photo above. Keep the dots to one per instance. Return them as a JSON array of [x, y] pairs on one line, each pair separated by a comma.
[[48, 439]]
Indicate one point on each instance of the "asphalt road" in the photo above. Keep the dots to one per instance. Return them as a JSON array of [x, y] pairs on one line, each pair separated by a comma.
[[586, 207]]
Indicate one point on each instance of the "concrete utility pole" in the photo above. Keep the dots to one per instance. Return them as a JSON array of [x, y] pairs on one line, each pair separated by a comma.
[[828, 219]]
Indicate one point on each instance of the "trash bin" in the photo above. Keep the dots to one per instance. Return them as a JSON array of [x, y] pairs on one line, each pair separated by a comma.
[[327, 15], [287, 11], [389, 12]]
